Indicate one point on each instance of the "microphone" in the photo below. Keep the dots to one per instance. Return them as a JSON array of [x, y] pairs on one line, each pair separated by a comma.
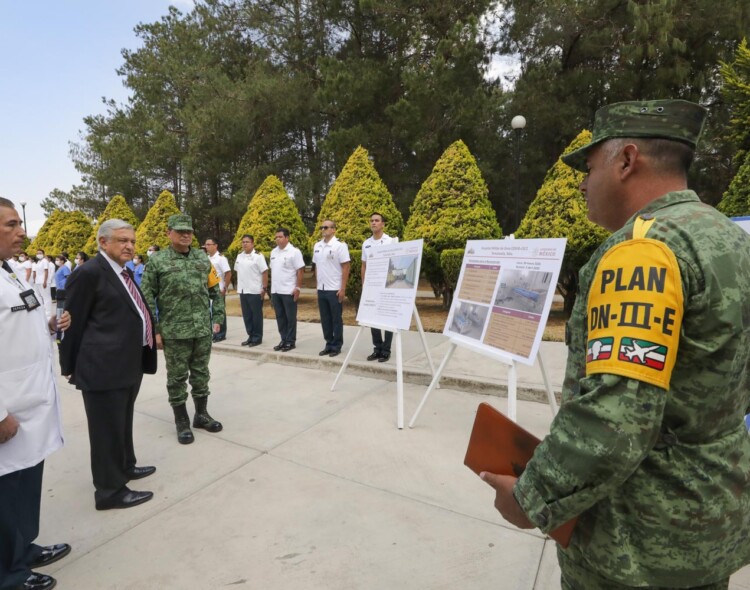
[[58, 314]]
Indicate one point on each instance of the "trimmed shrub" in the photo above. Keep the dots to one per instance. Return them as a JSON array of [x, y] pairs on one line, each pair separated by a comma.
[[450, 264], [736, 201], [559, 211], [64, 231], [355, 195], [452, 206], [154, 228], [270, 208], [44, 237], [117, 208], [354, 284]]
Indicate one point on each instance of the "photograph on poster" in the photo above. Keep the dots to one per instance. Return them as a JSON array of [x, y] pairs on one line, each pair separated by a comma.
[[402, 272], [469, 319], [523, 290]]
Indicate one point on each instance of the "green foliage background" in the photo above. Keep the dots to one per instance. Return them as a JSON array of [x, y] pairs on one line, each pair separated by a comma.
[[117, 208], [153, 229], [270, 208], [559, 211], [736, 201], [64, 231]]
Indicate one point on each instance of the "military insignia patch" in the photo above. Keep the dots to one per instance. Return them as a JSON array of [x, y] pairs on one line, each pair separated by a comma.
[[635, 312], [643, 353], [599, 349]]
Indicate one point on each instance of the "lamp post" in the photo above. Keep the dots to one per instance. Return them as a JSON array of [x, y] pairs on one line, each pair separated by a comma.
[[517, 123], [23, 208]]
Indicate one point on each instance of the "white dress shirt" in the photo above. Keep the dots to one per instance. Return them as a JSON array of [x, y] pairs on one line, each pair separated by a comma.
[[328, 258], [250, 269], [284, 266]]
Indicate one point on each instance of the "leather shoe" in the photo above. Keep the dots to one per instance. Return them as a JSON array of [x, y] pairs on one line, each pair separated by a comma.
[[279, 346], [384, 357], [334, 353], [139, 472], [219, 338], [127, 500], [254, 344], [325, 352], [38, 582], [374, 356], [246, 342], [288, 347], [50, 554]]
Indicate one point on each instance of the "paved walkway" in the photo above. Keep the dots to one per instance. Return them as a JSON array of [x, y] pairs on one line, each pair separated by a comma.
[[305, 488]]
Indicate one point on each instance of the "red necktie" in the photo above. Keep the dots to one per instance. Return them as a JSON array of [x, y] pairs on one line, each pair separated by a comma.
[[141, 305]]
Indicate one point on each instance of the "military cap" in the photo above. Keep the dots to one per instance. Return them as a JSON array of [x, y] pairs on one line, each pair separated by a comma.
[[678, 120], [180, 222]]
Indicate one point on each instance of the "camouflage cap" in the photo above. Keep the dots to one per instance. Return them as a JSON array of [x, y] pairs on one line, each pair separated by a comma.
[[180, 222], [678, 120]]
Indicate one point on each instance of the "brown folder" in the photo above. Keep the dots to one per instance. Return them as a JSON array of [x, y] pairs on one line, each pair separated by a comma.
[[499, 445]]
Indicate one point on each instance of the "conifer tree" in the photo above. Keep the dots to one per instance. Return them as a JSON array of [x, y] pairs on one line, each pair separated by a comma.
[[559, 211], [269, 208], [357, 193], [452, 206], [153, 230], [117, 208], [736, 201], [64, 231], [43, 238], [736, 91]]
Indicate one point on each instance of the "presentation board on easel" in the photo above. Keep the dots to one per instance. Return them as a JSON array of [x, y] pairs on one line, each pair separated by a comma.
[[388, 302], [501, 304]]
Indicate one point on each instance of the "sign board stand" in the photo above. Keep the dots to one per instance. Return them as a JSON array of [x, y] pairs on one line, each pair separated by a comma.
[[399, 361], [512, 379]]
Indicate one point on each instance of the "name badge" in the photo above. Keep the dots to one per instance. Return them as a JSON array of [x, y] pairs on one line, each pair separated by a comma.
[[30, 302]]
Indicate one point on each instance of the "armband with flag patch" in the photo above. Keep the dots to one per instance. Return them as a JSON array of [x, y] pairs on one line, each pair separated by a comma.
[[635, 310], [213, 277]]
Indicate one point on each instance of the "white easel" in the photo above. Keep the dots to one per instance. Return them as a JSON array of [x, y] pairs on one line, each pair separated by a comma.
[[512, 378], [399, 361]]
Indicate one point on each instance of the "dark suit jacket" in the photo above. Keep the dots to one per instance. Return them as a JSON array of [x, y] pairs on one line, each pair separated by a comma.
[[103, 348]]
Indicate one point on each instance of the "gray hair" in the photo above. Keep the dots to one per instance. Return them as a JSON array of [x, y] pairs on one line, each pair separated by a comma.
[[109, 226], [6, 203]]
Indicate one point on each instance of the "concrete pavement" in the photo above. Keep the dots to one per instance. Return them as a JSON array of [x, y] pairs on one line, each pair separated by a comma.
[[305, 488]]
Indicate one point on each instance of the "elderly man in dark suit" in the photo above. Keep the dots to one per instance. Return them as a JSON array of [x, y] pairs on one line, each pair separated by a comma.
[[106, 355]]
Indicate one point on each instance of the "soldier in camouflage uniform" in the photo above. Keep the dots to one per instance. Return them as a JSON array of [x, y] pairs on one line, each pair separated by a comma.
[[177, 282], [649, 449]]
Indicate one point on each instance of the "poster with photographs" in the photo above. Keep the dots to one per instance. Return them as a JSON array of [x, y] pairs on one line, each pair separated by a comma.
[[390, 288], [504, 294]]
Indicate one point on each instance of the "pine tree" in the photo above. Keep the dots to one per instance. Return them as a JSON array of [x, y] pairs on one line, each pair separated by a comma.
[[736, 201], [43, 238], [451, 207], [559, 211], [154, 228], [736, 91], [64, 231], [117, 208], [355, 195], [270, 208]]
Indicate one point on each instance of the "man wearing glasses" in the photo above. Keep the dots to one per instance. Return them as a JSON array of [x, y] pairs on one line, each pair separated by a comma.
[[332, 262]]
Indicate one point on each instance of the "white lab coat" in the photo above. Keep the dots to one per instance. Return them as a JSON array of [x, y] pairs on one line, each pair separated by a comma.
[[28, 389]]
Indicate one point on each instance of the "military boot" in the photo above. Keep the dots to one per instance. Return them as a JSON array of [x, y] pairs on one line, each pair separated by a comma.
[[182, 422], [202, 419]]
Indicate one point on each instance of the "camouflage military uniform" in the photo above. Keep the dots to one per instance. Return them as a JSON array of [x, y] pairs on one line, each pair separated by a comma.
[[176, 285], [656, 468]]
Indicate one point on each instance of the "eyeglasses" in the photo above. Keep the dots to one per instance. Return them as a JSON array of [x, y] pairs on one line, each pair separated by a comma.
[[325, 227]]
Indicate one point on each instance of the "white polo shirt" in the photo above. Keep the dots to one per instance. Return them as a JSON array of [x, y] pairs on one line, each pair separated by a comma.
[[328, 258], [368, 244], [221, 264], [250, 269], [284, 266]]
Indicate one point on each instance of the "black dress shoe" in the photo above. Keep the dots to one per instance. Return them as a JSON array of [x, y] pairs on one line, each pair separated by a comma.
[[219, 338], [246, 342], [374, 356], [139, 472], [334, 353], [288, 347], [38, 582], [384, 357], [253, 344], [279, 346], [50, 554], [325, 352], [127, 500]]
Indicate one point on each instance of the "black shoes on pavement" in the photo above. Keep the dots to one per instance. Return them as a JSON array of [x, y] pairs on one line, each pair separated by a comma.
[[38, 582], [288, 347], [140, 472], [127, 500], [381, 357], [50, 555], [249, 343], [329, 352]]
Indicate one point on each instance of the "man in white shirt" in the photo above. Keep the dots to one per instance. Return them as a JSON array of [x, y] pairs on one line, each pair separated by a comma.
[[252, 282], [381, 343], [332, 262], [287, 268], [30, 421], [43, 281], [221, 264]]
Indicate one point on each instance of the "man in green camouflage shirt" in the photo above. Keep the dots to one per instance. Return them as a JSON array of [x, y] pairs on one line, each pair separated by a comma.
[[649, 449], [178, 283]]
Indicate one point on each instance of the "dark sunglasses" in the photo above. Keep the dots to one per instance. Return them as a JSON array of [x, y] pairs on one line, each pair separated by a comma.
[[325, 227]]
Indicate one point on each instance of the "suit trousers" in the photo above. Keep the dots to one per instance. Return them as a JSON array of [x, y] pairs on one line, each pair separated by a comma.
[[110, 418], [331, 319], [20, 502], [252, 315], [286, 317], [381, 344]]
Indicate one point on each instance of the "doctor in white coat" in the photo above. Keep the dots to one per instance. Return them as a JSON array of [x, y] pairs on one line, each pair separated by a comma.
[[30, 423]]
